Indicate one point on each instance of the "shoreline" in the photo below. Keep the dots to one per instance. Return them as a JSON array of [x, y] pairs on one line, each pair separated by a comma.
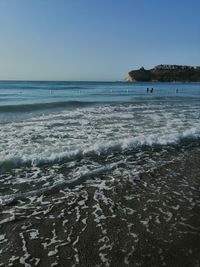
[[152, 220]]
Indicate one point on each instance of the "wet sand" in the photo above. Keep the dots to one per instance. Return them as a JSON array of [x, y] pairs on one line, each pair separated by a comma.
[[151, 220]]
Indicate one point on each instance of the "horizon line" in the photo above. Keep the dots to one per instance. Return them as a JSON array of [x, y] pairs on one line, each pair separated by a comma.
[[45, 80]]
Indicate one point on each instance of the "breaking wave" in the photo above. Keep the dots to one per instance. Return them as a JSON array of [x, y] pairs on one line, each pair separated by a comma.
[[98, 149], [42, 106]]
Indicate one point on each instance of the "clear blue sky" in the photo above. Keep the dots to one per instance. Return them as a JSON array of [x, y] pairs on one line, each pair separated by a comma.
[[95, 39]]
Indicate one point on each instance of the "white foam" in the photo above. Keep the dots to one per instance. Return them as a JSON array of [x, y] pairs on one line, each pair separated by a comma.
[[8, 219], [25, 250], [86, 135], [2, 237], [52, 252], [102, 148], [97, 130], [34, 234]]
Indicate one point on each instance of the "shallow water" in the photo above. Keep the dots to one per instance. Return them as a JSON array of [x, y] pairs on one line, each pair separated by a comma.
[[66, 151]]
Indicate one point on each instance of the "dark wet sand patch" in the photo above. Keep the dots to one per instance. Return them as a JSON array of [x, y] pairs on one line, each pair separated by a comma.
[[154, 221]]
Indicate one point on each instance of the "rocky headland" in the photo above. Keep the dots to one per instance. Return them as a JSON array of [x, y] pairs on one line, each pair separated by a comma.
[[165, 73]]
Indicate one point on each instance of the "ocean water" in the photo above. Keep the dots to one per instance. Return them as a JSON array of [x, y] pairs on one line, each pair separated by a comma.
[[65, 143]]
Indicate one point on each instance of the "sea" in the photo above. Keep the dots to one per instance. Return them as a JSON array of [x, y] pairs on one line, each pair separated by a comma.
[[99, 174]]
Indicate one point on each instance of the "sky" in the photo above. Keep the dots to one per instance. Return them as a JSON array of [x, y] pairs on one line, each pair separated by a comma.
[[95, 40]]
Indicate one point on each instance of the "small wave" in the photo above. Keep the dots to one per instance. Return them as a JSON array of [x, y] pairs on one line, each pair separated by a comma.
[[164, 98], [80, 178], [42, 106], [98, 149]]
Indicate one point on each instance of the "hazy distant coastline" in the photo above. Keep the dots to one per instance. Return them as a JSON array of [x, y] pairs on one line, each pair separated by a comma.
[[165, 73]]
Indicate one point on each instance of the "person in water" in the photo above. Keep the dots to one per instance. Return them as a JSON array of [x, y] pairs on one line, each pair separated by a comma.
[[152, 90], [147, 89]]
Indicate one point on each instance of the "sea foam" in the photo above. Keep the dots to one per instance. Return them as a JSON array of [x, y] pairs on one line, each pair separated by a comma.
[[93, 131]]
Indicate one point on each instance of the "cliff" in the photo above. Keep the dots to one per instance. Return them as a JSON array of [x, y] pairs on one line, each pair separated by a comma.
[[166, 73]]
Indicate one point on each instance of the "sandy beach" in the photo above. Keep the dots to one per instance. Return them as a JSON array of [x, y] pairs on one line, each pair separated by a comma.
[[152, 220]]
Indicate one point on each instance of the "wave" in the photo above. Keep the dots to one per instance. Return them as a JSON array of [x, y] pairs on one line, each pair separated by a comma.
[[100, 149], [12, 198], [164, 98], [41, 106]]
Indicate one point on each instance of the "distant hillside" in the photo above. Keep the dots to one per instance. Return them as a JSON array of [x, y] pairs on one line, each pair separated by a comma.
[[166, 73]]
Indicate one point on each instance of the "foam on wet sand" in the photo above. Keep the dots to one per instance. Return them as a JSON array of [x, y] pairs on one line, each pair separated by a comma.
[[105, 222]]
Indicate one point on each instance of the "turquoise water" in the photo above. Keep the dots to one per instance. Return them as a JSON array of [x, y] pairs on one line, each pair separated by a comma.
[[52, 122], [19, 99], [171, 106], [18, 93], [70, 150]]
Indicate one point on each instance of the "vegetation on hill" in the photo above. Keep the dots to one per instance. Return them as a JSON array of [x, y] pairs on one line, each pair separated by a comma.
[[166, 73]]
